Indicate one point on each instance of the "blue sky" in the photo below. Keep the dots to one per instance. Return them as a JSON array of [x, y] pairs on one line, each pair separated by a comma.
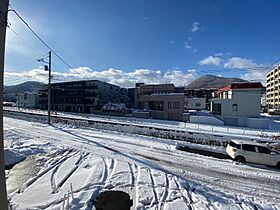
[[153, 41]]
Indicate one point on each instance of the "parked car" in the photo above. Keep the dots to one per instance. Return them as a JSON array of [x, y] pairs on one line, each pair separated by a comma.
[[253, 152]]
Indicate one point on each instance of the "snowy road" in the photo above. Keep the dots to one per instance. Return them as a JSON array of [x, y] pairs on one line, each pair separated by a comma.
[[154, 174]]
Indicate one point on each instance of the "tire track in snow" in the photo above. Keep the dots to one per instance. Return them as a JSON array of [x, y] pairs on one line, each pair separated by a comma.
[[40, 174], [71, 172], [187, 199], [165, 194], [113, 165], [132, 176], [53, 182], [155, 199], [105, 171]]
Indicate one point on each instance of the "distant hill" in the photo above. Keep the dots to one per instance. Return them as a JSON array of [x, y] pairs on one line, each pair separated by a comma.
[[210, 81], [11, 91]]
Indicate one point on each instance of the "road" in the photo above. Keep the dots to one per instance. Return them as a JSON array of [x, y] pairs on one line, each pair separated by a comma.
[[241, 183]]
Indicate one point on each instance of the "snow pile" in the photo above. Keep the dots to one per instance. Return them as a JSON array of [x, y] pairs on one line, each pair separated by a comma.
[[114, 107]]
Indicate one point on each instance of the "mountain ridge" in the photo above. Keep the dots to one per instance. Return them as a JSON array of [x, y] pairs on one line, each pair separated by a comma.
[[212, 82]]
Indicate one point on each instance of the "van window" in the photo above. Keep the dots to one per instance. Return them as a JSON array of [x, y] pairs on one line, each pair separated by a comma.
[[264, 150], [248, 147], [232, 144]]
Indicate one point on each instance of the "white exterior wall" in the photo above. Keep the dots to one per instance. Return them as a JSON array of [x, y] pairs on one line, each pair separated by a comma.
[[248, 106], [27, 100]]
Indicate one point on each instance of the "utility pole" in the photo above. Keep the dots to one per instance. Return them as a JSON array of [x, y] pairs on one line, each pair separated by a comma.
[[49, 89], [3, 23], [48, 68]]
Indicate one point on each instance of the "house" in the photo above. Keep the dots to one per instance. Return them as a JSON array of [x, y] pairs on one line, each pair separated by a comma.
[[27, 100], [237, 104], [167, 106]]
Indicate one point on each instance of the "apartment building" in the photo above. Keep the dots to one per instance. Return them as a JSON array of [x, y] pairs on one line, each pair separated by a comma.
[[82, 96], [273, 88]]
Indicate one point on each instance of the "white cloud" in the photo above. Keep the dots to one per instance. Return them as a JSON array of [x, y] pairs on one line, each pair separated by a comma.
[[240, 63], [114, 76], [211, 60], [187, 45], [219, 54], [195, 26], [252, 70]]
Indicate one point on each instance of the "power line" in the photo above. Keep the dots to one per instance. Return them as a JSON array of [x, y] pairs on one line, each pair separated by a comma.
[[266, 68], [59, 57], [21, 37]]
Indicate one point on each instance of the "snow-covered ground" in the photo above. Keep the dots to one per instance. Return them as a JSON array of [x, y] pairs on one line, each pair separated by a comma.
[[149, 169]]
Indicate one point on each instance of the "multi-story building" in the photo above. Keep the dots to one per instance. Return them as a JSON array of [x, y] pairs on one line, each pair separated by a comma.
[[82, 96], [238, 102], [273, 88], [27, 100]]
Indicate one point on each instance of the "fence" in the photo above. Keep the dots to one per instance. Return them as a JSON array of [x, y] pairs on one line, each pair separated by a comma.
[[274, 135]]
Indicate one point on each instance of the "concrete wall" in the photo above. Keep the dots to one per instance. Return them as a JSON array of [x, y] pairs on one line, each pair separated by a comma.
[[206, 120], [141, 114], [259, 123]]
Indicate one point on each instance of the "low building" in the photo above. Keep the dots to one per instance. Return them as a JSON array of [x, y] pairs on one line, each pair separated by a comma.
[[167, 106], [27, 100], [237, 103], [194, 103], [205, 93]]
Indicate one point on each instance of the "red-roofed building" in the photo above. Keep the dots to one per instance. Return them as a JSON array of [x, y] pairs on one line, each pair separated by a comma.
[[237, 103]]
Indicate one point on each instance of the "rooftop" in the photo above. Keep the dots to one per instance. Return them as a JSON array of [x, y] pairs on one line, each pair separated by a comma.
[[245, 85]]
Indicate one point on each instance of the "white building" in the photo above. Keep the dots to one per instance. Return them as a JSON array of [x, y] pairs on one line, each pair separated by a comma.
[[273, 88], [194, 103], [239, 104], [27, 100]]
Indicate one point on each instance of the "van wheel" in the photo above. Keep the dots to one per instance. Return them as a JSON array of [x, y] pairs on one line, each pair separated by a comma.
[[240, 159], [278, 165]]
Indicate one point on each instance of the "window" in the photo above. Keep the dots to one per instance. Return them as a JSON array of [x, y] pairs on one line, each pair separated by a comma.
[[264, 150], [248, 147], [231, 143], [176, 105], [169, 105], [197, 104], [234, 107]]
